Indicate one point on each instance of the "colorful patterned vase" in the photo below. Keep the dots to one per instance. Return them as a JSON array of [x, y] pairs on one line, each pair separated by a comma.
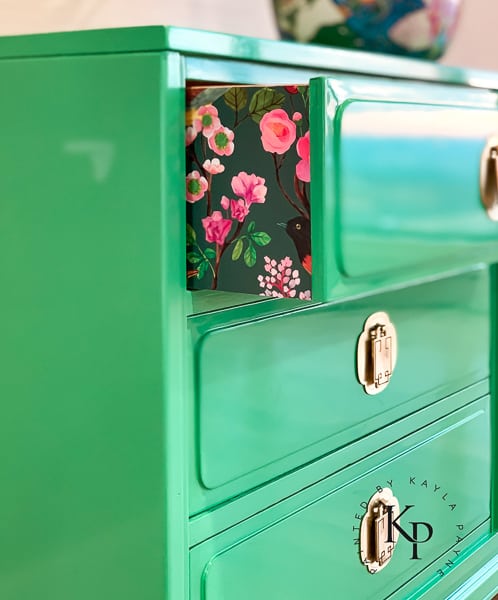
[[416, 28]]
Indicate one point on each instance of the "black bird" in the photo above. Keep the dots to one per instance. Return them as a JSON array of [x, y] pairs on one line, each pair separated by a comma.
[[299, 230]]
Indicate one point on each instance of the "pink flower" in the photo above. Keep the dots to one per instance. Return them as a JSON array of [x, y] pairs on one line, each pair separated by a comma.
[[216, 227], [297, 116], [239, 210], [278, 132], [196, 186], [221, 141], [250, 188], [213, 166], [303, 151], [292, 89], [207, 120], [190, 135]]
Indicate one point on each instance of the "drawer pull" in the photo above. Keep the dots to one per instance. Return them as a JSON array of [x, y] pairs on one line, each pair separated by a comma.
[[489, 178], [377, 535], [376, 353]]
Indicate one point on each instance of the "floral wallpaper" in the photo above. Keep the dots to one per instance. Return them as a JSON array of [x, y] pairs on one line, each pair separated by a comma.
[[247, 190]]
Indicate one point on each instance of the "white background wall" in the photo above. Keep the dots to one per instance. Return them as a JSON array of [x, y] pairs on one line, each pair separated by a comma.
[[475, 44]]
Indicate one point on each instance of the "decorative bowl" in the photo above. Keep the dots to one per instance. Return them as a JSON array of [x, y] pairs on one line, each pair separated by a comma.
[[416, 28]]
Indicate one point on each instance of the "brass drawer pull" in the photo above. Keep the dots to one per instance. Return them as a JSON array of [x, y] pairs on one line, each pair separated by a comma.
[[489, 178], [376, 353], [377, 536]]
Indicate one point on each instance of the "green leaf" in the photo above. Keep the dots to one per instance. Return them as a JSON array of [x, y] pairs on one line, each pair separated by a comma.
[[303, 90], [263, 101], [210, 252], [202, 268], [193, 258], [261, 238], [237, 249], [191, 235], [250, 256], [251, 226], [236, 98]]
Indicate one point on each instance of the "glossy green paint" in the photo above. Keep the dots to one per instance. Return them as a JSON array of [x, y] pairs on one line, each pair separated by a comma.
[[393, 206], [271, 395], [191, 42], [470, 578], [494, 391], [402, 202], [97, 41], [100, 377], [295, 555], [92, 346], [224, 516]]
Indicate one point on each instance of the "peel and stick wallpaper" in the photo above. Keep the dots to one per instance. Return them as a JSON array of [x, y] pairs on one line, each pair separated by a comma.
[[247, 190]]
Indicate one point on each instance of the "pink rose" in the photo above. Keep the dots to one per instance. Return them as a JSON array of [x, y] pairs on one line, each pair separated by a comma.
[[225, 202], [239, 210], [297, 116], [278, 132], [221, 141], [250, 188], [216, 227], [303, 151], [196, 186]]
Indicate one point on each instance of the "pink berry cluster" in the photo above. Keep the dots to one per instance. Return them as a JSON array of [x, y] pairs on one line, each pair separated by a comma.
[[281, 280]]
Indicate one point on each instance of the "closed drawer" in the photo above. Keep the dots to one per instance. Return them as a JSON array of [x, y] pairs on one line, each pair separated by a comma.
[[307, 546], [395, 181], [279, 392]]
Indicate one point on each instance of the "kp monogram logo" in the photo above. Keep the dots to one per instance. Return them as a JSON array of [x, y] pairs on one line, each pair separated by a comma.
[[381, 524], [392, 524], [381, 528]]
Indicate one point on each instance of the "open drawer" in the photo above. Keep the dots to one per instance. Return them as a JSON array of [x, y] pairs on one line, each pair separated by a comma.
[[395, 176]]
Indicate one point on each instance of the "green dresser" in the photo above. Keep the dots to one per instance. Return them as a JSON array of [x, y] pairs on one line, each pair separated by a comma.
[[158, 443]]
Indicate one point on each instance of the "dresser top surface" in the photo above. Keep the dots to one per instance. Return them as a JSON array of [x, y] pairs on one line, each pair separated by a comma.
[[193, 42]]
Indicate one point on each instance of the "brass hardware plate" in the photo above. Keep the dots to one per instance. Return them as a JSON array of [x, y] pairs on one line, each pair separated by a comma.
[[376, 353], [489, 178], [377, 536]]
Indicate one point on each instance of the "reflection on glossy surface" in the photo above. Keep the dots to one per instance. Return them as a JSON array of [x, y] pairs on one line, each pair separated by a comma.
[[99, 153]]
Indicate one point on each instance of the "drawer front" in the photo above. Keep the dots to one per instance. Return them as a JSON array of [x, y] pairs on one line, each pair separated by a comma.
[[307, 546], [397, 168], [277, 393]]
